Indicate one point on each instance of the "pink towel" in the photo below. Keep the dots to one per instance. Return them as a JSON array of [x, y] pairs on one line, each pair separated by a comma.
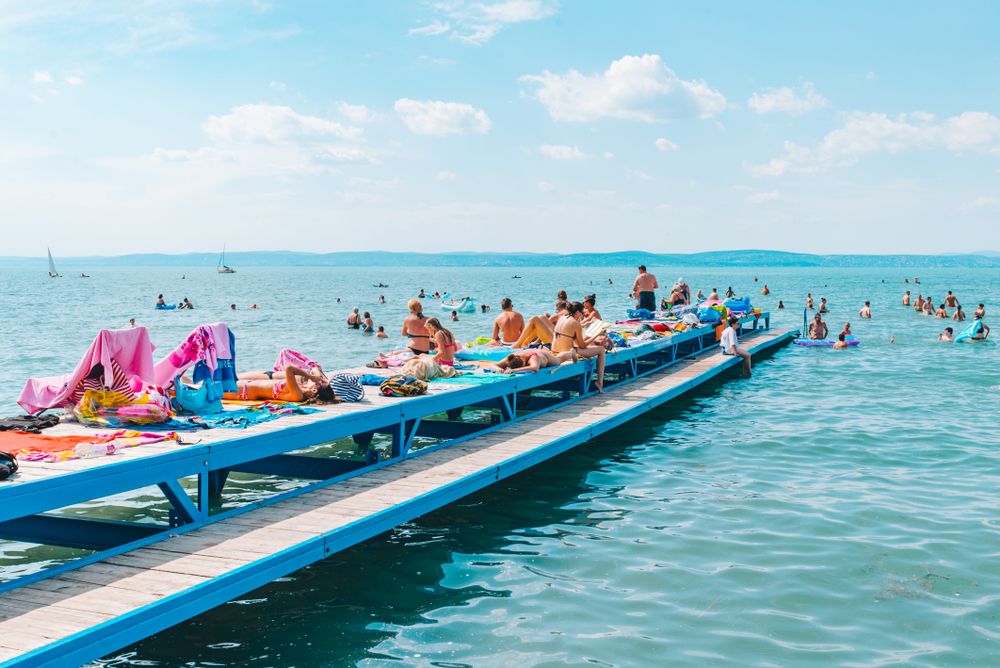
[[201, 345], [130, 348], [289, 357]]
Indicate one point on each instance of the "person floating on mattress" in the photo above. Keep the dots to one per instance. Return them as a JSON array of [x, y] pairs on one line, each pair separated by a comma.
[[568, 337], [293, 384]]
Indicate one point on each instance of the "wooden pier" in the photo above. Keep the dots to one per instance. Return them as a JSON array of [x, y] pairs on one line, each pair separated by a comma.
[[142, 578]]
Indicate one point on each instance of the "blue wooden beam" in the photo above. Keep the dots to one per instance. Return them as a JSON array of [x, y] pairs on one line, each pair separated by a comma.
[[183, 510], [75, 532], [300, 466]]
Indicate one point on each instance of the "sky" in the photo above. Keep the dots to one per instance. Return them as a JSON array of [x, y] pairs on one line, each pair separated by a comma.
[[134, 126]]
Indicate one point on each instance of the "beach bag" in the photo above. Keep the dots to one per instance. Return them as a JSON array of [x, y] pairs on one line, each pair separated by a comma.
[[203, 400], [402, 386], [347, 387]]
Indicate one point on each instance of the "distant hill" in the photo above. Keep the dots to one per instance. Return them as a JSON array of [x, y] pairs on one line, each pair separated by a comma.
[[739, 258]]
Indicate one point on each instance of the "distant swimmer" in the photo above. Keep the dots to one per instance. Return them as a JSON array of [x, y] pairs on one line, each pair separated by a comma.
[[918, 305], [232, 307], [700, 296], [906, 280], [817, 328], [422, 295], [729, 292], [822, 305], [380, 333], [515, 276], [254, 307], [941, 312], [186, 303], [437, 295], [561, 296], [809, 301], [906, 298], [131, 322], [508, 326], [841, 343], [916, 280], [781, 304], [866, 310], [381, 299], [959, 315], [947, 335], [160, 301], [978, 315], [610, 282], [714, 296], [369, 324], [764, 291], [454, 316], [643, 289], [354, 319], [951, 300]]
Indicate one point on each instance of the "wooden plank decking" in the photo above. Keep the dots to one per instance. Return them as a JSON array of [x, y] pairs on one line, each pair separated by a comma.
[[84, 613]]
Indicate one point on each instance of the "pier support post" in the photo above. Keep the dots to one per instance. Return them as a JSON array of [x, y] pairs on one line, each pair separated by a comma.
[[363, 439], [455, 413]]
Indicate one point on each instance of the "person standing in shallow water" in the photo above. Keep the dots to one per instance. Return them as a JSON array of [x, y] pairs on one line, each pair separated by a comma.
[[644, 289], [866, 310], [906, 298]]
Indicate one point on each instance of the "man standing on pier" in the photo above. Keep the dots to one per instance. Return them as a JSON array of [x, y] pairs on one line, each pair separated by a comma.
[[642, 289]]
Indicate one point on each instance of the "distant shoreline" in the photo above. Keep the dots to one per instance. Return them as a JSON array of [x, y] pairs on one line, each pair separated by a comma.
[[737, 258]]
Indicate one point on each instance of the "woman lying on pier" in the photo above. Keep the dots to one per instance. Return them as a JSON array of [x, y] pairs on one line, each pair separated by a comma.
[[568, 336], [293, 384], [529, 360]]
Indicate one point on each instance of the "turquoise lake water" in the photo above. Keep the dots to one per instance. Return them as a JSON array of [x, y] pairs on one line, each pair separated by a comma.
[[837, 508]]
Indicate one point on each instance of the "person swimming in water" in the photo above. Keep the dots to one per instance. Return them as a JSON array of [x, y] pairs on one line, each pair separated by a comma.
[[841, 342], [380, 333], [781, 304], [941, 312], [809, 301], [714, 296], [822, 305], [906, 298], [980, 313], [454, 316], [959, 314], [947, 335], [846, 331], [951, 300], [818, 329], [369, 324], [354, 319], [866, 310], [422, 295], [764, 291], [232, 307], [729, 293]]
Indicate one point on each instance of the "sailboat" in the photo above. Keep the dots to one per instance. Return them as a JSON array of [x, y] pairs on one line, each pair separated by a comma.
[[222, 268], [52, 266]]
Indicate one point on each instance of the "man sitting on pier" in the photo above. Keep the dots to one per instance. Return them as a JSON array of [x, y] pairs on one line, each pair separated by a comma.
[[730, 347], [508, 325]]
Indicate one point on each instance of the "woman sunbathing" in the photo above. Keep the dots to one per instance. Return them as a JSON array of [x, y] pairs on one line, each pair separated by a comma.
[[541, 327], [293, 384], [568, 337], [524, 361]]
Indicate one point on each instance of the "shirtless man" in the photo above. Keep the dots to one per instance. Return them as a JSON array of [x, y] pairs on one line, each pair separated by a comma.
[[354, 320], [947, 335], [951, 300], [715, 295], [809, 300], [928, 306], [841, 343], [508, 325], [643, 289], [941, 312], [764, 291], [866, 310], [906, 298], [818, 329]]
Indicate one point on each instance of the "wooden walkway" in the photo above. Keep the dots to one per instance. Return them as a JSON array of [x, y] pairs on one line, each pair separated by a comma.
[[85, 613]]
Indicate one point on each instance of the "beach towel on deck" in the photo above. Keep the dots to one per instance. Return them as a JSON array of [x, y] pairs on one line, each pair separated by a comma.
[[224, 374], [35, 448], [129, 349], [289, 357], [205, 347]]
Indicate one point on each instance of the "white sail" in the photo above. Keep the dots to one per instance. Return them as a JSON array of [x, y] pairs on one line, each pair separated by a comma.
[[222, 268], [52, 265]]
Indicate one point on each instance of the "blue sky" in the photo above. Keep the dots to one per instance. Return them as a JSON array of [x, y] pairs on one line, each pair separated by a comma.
[[513, 125]]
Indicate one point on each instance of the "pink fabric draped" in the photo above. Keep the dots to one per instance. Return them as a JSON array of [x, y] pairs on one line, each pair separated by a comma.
[[289, 357], [201, 345], [130, 348]]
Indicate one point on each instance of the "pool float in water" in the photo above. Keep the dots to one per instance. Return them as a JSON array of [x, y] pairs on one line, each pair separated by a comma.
[[466, 305], [970, 331], [825, 343], [166, 307]]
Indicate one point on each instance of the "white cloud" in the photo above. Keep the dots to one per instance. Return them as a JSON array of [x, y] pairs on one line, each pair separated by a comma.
[[437, 118], [763, 197], [42, 77], [562, 152], [74, 80], [665, 145], [639, 174], [867, 133], [985, 202], [431, 29], [445, 175], [272, 123], [279, 85], [638, 88], [356, 113], [608, 155], [786, 100], [545, 187], [14, 153], [478, 22]]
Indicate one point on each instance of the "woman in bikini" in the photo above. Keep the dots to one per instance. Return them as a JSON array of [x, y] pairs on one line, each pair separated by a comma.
[[415, 327], [590, 312], [524, 361], [568, 337], [444, 342], [293, 384], [541, 327]]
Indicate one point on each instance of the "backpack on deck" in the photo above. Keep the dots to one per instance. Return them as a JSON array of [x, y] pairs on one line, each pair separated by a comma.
[[402, 386]]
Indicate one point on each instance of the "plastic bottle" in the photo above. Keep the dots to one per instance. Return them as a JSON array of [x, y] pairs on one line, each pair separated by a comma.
[[84, 450]]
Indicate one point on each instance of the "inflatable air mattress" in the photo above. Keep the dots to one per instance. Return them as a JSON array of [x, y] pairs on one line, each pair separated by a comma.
[[824, 343]]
